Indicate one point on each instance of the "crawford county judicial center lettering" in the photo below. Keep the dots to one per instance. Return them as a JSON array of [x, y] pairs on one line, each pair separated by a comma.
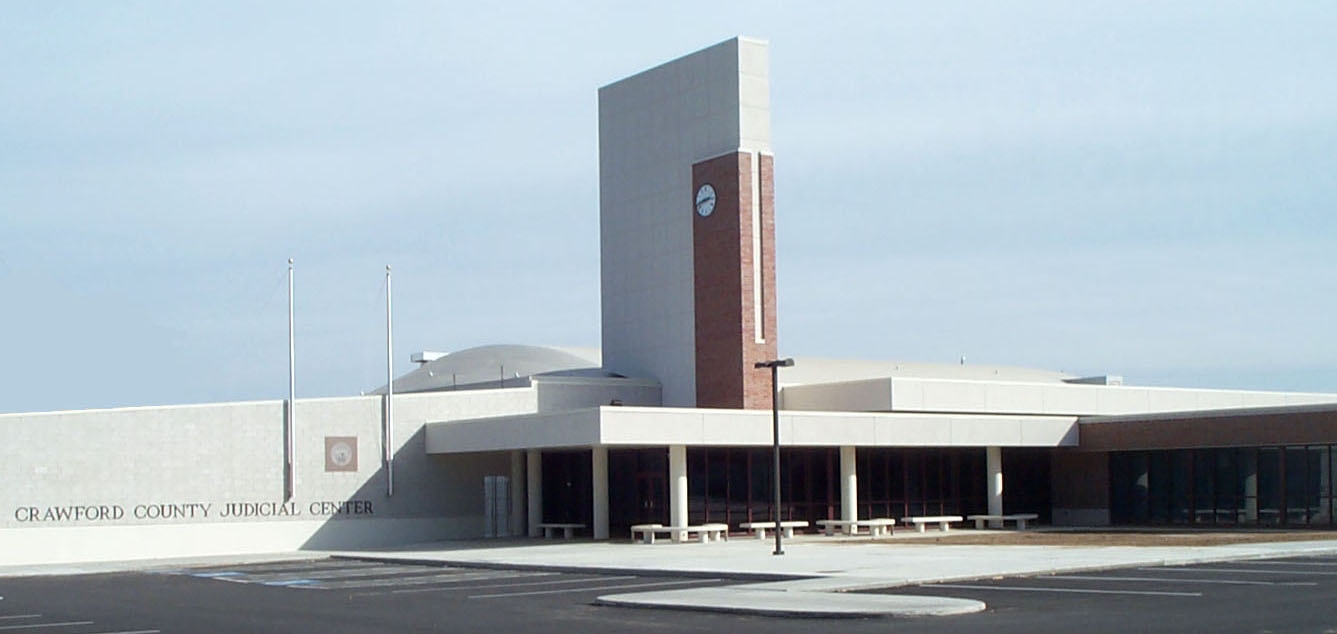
[[191, 511]]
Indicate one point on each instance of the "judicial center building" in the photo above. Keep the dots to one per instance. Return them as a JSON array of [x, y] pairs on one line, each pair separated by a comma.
[[669, 421]]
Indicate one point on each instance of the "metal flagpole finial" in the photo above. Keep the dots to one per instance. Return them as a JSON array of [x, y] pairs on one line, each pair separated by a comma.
[[289, 261]]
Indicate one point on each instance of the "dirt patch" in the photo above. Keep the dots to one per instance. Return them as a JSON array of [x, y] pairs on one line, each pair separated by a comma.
[[1115, 538]]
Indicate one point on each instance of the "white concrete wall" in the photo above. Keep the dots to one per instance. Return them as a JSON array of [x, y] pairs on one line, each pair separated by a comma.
[[868, 395], [908, 394], [563, 393], [653, 126], [572, 428], [654, 426], [204, 459]]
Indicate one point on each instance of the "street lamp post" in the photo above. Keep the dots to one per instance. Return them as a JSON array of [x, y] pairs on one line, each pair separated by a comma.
[[775, 365]]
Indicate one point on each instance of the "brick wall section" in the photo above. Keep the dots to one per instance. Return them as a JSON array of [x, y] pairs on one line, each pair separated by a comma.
[[1226, 430], [760, 380], [726, 346]]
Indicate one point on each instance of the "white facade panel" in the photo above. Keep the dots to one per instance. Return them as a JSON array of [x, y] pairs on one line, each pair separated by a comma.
[[572, 428], [852, 396], [656, 426], [653, 126], [831, 430], [991, 433], [909, 394], [914, 431], [199, 480], [1048, 433]]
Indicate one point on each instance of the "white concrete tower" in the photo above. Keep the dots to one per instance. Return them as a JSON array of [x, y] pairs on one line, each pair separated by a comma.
[[664, 134]]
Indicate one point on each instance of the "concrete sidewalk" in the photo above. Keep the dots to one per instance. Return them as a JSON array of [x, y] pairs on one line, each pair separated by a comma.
[[801, 581]]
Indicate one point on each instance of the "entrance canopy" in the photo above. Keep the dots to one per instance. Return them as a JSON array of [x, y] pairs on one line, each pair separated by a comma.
[[650, 426]]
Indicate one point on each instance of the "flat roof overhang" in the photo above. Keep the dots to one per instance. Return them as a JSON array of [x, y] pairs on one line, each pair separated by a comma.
[[661, 426], [1251, 427]]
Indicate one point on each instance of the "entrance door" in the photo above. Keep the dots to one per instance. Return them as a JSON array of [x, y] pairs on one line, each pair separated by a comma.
[[637, 488], [652, 499]]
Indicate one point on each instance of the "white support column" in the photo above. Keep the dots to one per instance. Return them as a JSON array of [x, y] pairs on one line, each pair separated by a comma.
[[677, 486], [518, 487], [599, 474], [534, 490], [994, 459], [849, 485]]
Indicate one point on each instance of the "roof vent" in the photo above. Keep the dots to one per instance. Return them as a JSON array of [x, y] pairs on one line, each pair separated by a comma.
[[1107, 379], [426, 357]]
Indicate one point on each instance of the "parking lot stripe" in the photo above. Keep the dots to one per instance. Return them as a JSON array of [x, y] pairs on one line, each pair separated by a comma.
[[1248, 571], [314, 564], [504, 585], [618, 587], [37, 625], [1266, 562], [342, 573], [1233, 582], [20, 616], [1066, 590], [130, 632], [457, 577]]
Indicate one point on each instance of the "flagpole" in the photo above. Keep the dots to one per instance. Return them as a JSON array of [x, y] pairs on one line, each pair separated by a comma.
[[289, 479], [387, 435]]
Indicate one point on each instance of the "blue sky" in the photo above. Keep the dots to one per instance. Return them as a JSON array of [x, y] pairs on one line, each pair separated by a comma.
[[1128, 188]]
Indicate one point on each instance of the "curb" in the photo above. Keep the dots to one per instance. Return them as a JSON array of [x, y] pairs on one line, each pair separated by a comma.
[[599, 570], [745, 601]]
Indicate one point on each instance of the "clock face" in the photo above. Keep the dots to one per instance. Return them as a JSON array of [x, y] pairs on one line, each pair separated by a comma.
[[705, 200]]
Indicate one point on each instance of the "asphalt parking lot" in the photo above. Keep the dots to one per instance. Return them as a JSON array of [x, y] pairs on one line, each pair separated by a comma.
[[333, 596], [1297, 594], [342, 596]]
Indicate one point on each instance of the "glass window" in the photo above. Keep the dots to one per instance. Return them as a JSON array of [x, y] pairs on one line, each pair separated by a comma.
[[1316, 498], [1181, 482], [1269, 486], [1225, 486], [717, 482], [798, 478], [1246, 491], [896, 482], [1158, 486], [863, 470], [737, 487], [1204, 486], [914, 475], [761, 462], [824, 490], [1120, 485], [933, 482], [1296, 486], [1139, 493]]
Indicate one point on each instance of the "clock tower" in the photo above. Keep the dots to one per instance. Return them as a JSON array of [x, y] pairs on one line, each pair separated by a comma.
[[687, 226], [733, 240]]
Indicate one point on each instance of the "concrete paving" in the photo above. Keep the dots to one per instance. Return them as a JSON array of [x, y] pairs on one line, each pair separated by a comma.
[[749, 600], [808, 578]]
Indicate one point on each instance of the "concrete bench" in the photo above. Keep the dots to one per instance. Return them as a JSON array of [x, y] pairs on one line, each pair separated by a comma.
[[705, 532], [568, 530], [876, 527], [760, 528], [1019, 518], [943, 521]]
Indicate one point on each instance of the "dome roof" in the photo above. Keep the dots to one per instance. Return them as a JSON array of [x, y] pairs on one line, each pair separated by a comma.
[[507, 365]]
